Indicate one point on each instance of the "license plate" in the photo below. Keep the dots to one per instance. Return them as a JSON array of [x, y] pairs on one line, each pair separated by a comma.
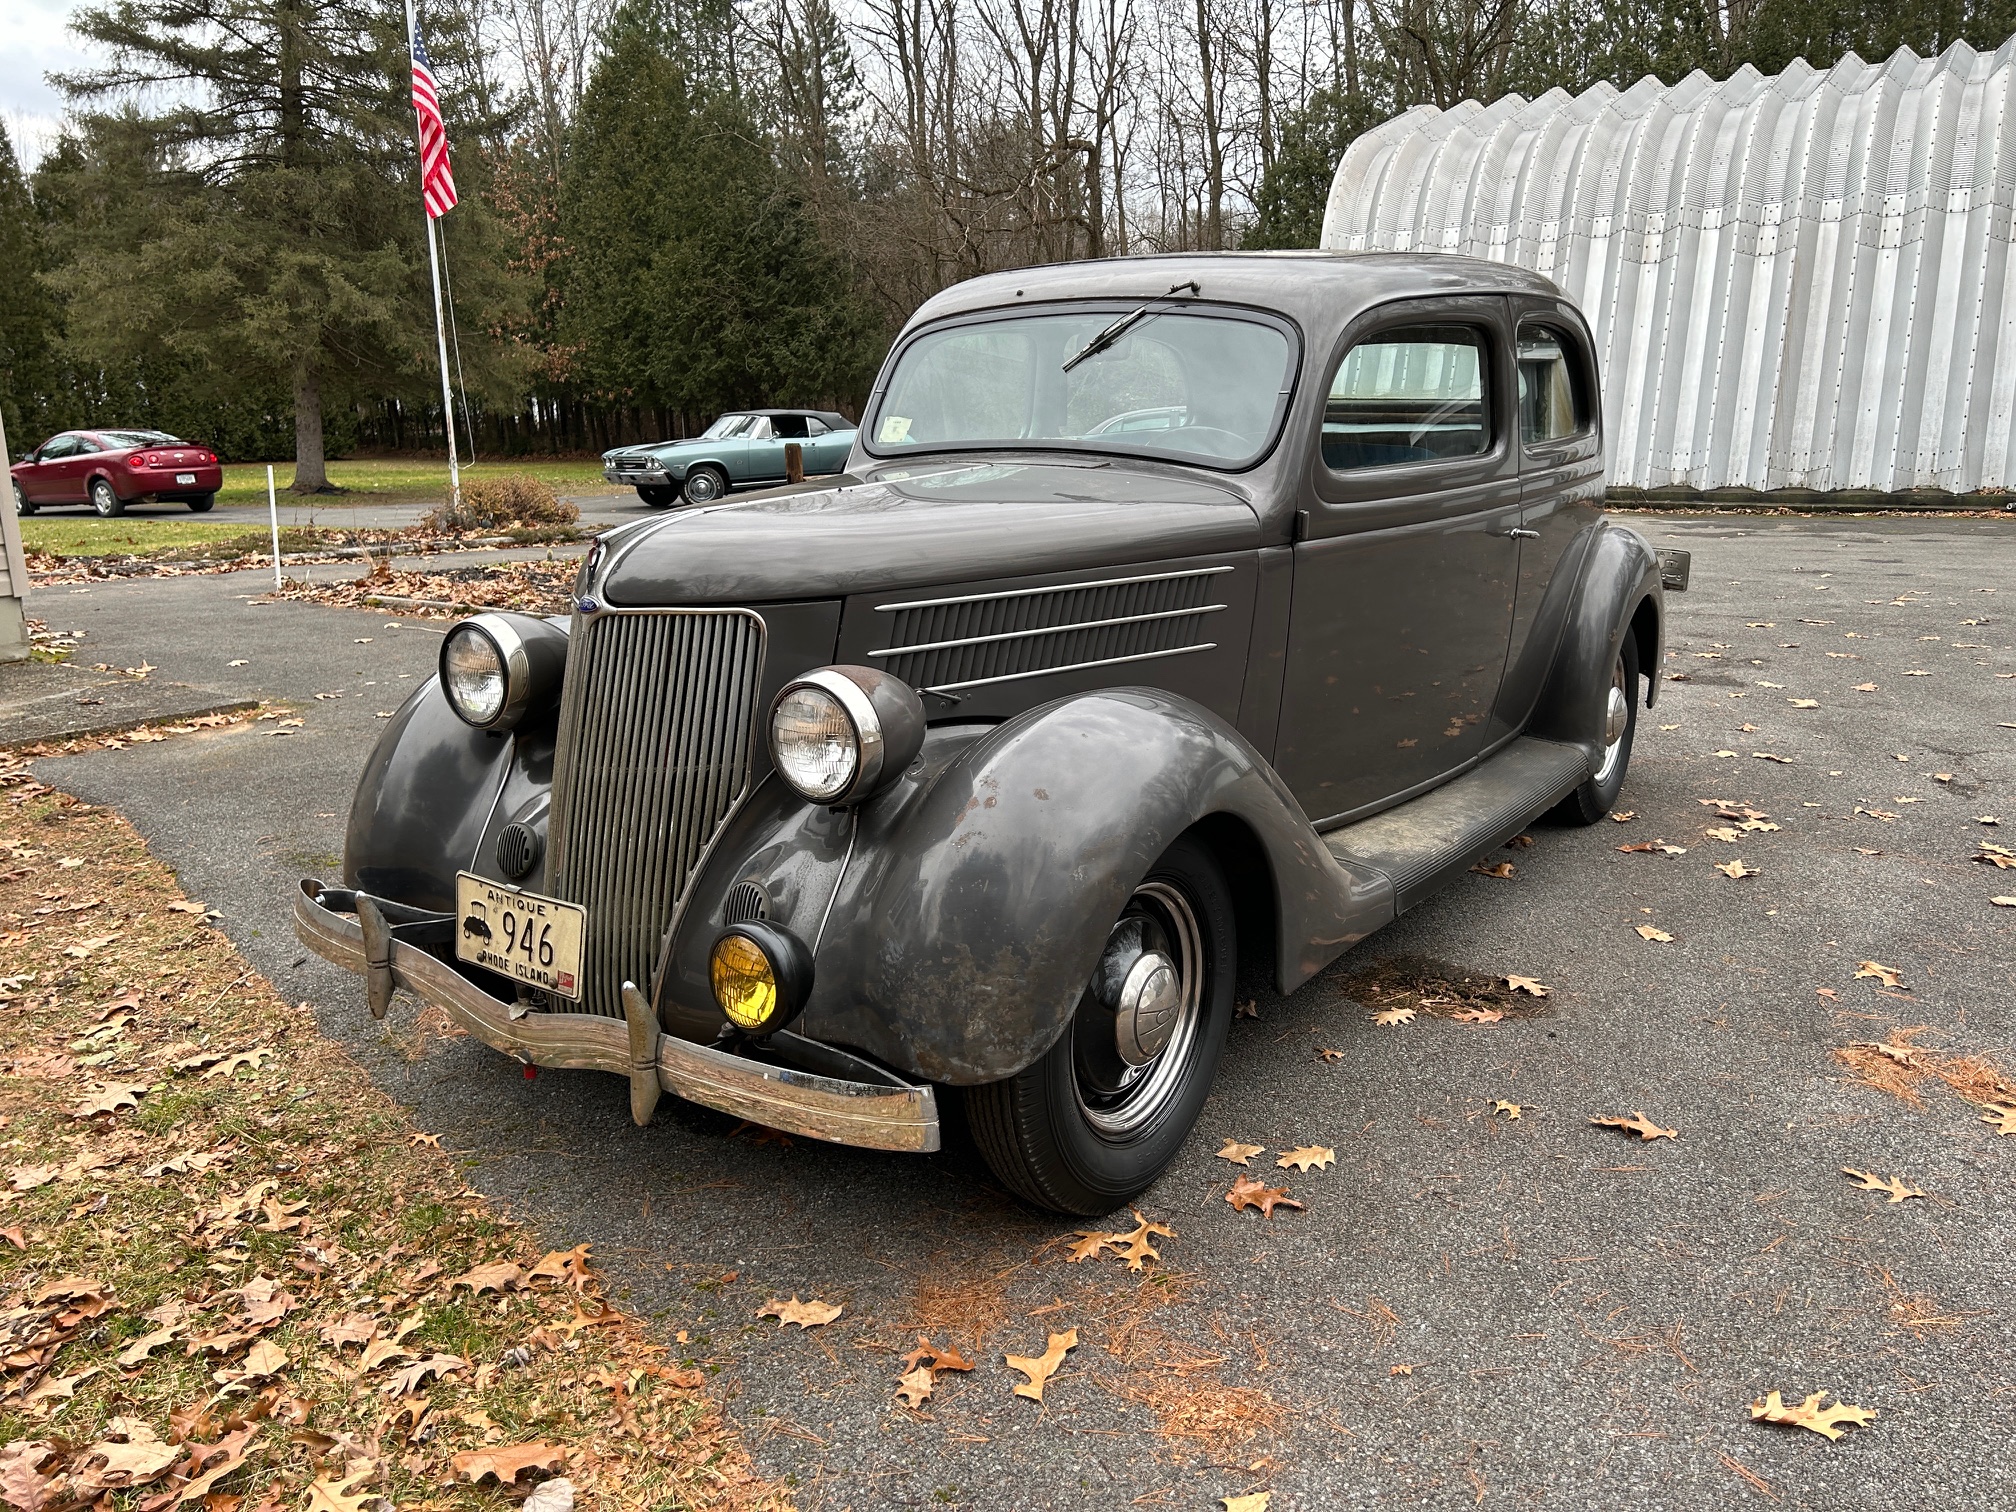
[[186, 479], [520, 935]]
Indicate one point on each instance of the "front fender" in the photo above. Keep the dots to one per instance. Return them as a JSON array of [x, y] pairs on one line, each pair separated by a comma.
[[969, 914], [1619, 589]]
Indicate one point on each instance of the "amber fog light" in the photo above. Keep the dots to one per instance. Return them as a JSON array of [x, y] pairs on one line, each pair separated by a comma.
[[761, 975]]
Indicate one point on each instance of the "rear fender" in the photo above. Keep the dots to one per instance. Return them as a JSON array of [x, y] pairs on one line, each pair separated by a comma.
[[974, 896], [1619, 587]]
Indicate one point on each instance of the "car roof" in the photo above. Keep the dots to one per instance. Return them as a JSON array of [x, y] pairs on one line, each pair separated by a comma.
[[827, 415], [1321, 290]]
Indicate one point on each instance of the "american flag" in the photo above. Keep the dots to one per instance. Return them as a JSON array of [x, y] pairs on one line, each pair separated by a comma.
[[437, 179]]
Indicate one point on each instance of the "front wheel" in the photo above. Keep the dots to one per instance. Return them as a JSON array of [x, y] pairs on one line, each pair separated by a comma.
[[23, 505], [705, 484], [658, 498], [202, 503], [1095, 1121], [1591, 801], [105, 499]]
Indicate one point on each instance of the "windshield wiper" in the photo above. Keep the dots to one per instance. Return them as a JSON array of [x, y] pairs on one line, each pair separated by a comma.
[[1126, 323]]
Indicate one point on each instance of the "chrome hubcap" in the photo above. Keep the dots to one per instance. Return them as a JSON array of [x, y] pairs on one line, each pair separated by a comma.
[[1616, 723], [1139, 1016]]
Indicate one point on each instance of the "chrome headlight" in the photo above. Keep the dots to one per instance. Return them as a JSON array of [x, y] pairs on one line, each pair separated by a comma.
[[496, 668], [840, 734]]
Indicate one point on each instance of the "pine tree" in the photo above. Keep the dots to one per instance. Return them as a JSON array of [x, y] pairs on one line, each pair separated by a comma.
[[29, 317], [262, 219]]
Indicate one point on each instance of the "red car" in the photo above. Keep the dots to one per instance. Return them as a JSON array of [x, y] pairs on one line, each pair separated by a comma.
[[110, 469]]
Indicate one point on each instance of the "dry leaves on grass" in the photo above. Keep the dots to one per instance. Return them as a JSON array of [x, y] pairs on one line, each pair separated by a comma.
[[1894, 1187], [1637, 1124], [303, 1257], [814, 1314], [1040, 1368], [1251, 1192], [506, 1465], [1829, 1421]]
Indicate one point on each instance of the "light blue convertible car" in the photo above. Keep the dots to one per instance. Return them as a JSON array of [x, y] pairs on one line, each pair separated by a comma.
[[742, 449]]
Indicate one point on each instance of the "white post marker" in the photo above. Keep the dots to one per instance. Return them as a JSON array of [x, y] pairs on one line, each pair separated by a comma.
[[273, 514]]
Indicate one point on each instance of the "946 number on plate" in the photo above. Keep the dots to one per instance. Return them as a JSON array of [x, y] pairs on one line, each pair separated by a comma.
[[520, 935]]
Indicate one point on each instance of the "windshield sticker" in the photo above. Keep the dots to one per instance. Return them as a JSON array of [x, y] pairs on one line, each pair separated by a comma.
[[895, 430]]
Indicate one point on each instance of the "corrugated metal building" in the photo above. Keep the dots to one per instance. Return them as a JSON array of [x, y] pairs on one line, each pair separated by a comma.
[[1803, 281]]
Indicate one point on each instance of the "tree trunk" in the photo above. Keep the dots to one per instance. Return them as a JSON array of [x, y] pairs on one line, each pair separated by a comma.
[[311, 469]]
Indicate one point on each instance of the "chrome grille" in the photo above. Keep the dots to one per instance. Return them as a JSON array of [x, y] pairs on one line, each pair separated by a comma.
[[656, 725], [955, 643]]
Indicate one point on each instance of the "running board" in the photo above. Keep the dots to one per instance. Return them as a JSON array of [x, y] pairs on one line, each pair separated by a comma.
[[1424, 843]]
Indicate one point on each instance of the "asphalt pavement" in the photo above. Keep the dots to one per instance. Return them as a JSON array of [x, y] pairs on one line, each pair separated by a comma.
[[1471, 1309]]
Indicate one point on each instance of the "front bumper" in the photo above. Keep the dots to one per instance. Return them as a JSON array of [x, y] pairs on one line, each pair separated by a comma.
[[885, 1115], [645, 477]]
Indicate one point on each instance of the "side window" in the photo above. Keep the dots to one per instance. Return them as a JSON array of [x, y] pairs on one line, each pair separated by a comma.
[[815, 426], [759, 429], [1552, 405], [84, 444], [1411, 394], [789, 427]]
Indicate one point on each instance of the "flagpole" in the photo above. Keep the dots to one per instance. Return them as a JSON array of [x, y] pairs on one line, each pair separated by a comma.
[[440, 328]]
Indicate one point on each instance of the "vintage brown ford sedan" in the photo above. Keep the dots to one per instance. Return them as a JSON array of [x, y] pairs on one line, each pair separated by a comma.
[[1169, 609]]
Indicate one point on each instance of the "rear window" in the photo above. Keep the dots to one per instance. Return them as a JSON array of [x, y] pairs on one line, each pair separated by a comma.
[[118, 439]]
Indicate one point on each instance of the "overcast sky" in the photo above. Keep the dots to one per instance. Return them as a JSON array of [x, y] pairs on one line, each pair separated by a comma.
[[35, 40]]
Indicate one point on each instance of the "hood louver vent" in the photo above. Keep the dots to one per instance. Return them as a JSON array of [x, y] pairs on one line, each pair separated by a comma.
[[951, 644]]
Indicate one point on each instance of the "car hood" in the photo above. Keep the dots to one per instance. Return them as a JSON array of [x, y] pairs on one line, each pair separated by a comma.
[[920, 526]]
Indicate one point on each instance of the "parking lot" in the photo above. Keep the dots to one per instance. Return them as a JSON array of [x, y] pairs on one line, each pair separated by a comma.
[[1471, 1306]]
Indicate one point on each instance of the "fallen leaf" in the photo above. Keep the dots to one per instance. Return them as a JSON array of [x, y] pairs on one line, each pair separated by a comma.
[[1995, 855], [1089, 1243], [478, 1465], [1637, 1124], [914, 1387], [1509, 1109], [135, 1354], [1531, 986], [1623, 816], [27, 1178], [934, 1359], [1248, 1008], [336, 1496], [1239, 1154], [1306, 1156], [1501, 870], [2003, 902], [1736, 869], [570, 1266], [2002, 1115], [1889, 976], [500, 1276], [814, 1314], [1865, 687], [1043, 1366], [1250, 1192], [1390, 1017], [22, 1483], [1649, 932], [1478, 1015], [414, 1376], [1252, 1501], [1330, 1056], [1135, 1247], [1895, 1186], [1772, 756], [1653, 847], [1727, 834], [110, 1099], [1810, 1414], [1804, 703], [264, 1359]]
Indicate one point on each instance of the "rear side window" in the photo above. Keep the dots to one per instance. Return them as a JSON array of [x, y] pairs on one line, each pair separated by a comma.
[[1411, 394], [1552, 403]]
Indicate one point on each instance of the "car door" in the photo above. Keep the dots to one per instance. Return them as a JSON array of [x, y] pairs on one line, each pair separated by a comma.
[[1404, 565], [43, 481], [762, 454], [825, 448], [1560, 489]]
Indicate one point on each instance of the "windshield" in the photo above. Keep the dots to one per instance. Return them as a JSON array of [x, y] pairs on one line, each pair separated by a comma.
[[727, 426], [1179, 383]]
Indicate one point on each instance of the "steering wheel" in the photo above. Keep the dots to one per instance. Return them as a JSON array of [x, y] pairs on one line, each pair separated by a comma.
[[1213, 440]]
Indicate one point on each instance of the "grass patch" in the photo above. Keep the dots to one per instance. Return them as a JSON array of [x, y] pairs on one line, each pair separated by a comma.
[[402, 480], [89, 536], [242, 1281]]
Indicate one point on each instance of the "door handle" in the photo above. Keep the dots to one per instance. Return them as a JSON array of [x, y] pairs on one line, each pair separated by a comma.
[[1518, 533]]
